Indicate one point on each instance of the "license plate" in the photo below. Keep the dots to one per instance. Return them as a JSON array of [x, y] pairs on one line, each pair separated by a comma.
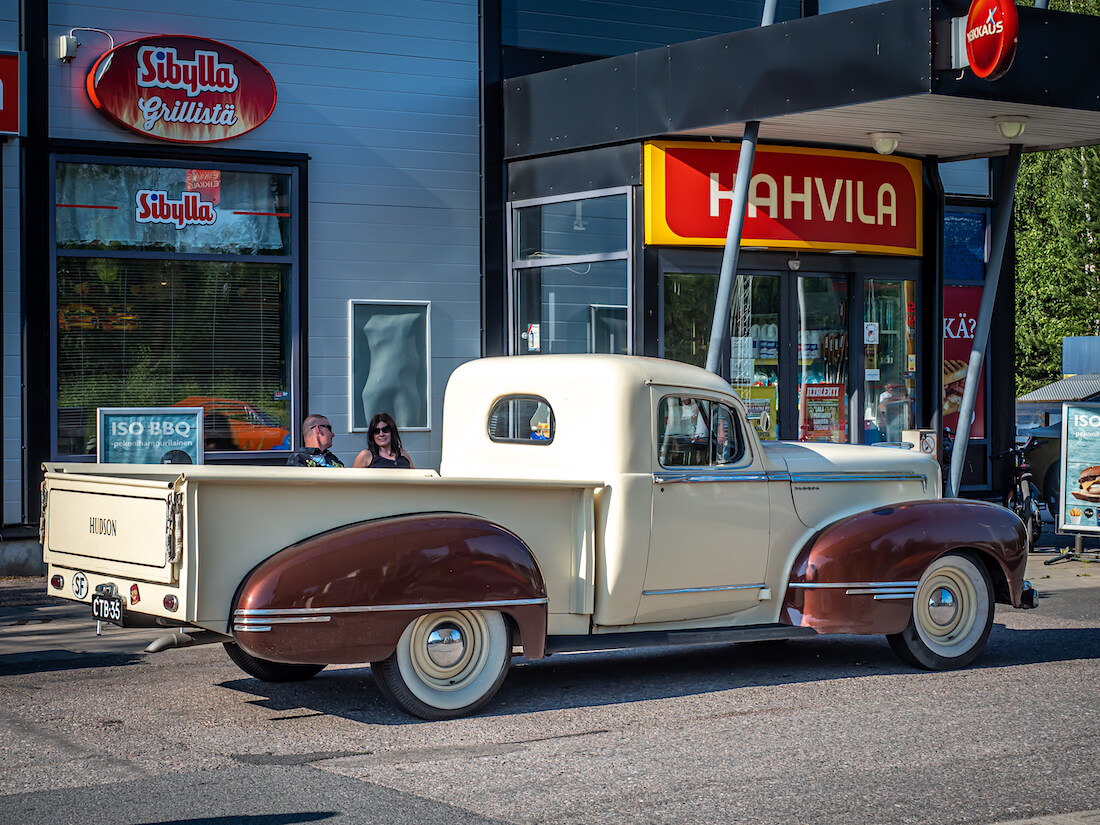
[[107, 608]]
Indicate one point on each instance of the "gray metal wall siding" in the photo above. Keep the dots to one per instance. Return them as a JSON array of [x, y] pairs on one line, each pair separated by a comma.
[[612, 27], [383, 97], [11, 453]]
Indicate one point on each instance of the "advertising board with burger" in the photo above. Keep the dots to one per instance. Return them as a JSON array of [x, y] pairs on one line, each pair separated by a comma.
[[1080, 482]]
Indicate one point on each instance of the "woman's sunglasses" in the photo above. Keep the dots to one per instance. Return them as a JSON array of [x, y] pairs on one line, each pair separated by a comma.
[[383, 429]]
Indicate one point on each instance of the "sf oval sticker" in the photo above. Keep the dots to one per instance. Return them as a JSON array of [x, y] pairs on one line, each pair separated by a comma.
[[992, 29], [182, 89]]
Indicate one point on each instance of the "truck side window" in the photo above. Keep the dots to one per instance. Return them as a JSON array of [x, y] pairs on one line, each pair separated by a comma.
[[694, 432], [524, 419], [684, 431]]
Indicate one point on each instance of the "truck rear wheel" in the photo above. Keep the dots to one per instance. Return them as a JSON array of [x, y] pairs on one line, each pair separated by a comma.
[[951, 617], [269, 671], [447, 664]]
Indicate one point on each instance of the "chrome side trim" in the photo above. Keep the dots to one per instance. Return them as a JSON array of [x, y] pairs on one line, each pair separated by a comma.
[[250, 620], [710, 475], [760, 586], [823, 478], [242, 613], [250, 629], [875, 586]]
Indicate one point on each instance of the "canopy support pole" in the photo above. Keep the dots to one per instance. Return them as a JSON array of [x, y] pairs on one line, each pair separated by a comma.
[[1005, 200], [719, 325]]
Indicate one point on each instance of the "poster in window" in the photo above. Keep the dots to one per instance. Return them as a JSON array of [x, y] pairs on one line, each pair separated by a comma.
[[823, 416], [960, 318], [389, 350], [149, 435]]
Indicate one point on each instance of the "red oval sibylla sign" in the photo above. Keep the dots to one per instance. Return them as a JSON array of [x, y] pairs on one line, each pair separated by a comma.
[[992, 29], [182, 89]]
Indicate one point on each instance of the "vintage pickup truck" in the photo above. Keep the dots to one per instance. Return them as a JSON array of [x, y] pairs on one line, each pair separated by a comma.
[[582, 503]]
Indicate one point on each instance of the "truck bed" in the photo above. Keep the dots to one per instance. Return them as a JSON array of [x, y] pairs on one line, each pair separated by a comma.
[[197, 533]]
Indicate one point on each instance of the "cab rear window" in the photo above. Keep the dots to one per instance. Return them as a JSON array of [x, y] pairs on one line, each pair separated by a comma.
[[522, 419]]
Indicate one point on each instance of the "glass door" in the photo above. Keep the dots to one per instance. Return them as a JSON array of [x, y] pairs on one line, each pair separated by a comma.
[[755, 334], [890, 359], [822, 359]]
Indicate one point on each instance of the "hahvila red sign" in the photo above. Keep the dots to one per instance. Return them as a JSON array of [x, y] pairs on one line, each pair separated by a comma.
[[798, 198], [182, 89], [992, 30]]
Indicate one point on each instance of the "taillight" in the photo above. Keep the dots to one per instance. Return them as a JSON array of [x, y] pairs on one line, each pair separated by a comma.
[[57, 582], [171, 603]]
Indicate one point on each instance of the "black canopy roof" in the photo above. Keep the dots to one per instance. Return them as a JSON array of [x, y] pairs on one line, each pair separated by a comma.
[[826, 80]]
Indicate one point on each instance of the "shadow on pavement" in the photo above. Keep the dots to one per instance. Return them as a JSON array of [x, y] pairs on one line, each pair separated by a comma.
[[619, 677], [53, 661]]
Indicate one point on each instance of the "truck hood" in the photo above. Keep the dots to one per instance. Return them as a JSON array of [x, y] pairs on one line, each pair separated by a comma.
[[829, 481]]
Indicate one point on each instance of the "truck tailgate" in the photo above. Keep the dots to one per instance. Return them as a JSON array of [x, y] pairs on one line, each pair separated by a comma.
[[119, 527]]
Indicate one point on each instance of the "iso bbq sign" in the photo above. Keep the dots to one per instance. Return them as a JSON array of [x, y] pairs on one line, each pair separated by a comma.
[[182, 89]]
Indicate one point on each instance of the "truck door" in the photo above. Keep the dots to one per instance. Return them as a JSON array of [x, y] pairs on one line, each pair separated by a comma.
[[710, 515]]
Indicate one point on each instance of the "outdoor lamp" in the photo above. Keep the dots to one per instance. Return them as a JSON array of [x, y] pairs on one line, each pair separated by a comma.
[[1010, 126], [884, 142]]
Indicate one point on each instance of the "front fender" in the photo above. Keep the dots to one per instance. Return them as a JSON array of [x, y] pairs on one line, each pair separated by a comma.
[[346, 595], [859, 574]]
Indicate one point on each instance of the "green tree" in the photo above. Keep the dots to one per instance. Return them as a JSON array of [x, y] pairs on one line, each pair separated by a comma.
[[1057, 218]]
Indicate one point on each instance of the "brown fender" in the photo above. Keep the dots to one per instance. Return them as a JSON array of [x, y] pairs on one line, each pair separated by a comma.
[[886, 550], [346, 595]]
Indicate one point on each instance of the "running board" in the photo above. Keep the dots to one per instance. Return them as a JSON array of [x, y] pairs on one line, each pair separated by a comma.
[[661, 638]]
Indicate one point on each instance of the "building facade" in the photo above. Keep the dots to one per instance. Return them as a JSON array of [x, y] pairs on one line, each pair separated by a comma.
[[265, 210]]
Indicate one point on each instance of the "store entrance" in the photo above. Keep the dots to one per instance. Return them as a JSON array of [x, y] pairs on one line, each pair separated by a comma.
[[815, 355]]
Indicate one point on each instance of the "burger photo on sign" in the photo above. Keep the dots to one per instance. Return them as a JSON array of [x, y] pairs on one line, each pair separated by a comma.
[[954, 379], [1089, 484]]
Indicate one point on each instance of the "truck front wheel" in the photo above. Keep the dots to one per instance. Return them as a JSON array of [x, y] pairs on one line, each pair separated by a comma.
[[269, 671], [447, 664], [951, 617]]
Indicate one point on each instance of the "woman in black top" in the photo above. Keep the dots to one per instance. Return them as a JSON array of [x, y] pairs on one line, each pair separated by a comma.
[[383, 445]]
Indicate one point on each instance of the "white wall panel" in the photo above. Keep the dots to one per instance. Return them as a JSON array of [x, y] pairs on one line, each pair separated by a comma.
[[383, 97]]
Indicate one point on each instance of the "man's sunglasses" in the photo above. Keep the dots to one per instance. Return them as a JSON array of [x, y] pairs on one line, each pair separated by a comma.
[[383, 429], [326, 426]]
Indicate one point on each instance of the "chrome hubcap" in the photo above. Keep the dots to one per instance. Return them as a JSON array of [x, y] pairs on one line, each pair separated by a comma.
[[446, 645], [943, 607]]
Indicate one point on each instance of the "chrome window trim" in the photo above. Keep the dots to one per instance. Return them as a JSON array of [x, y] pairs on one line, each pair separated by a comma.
[[675, 591], [243, 614]]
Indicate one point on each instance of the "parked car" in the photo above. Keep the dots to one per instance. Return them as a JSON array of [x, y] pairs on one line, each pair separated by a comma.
[[1044, 454], [237, 425]]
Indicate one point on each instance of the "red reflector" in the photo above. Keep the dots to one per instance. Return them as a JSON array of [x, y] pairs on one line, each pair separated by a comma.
[[57, 582], [171, 603]]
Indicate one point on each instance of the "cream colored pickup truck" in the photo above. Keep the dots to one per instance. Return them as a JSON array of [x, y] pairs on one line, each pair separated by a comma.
[[583, 502]]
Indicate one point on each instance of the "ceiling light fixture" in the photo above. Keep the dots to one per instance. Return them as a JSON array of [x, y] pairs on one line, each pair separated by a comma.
[[1010, 126], [884, 142]]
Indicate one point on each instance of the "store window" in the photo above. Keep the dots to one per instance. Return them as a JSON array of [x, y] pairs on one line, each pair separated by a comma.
[[173, 286], [570, 273], [890, 359]]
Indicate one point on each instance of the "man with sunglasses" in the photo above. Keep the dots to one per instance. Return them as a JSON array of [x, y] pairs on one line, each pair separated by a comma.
[[317, 437]]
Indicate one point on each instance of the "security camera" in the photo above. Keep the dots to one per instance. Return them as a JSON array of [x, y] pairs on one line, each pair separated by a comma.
[[794, 264]]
